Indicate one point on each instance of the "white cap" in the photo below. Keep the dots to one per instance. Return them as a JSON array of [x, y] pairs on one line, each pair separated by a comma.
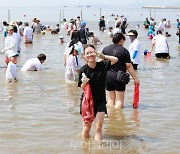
[[13, 54]]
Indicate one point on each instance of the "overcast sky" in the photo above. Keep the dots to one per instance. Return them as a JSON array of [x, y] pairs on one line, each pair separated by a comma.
[[58, 3]]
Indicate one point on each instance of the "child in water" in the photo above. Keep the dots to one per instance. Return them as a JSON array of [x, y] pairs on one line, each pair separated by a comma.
[[93, 39], [150, 32], [5, 25], [70, 74], [11, 72]]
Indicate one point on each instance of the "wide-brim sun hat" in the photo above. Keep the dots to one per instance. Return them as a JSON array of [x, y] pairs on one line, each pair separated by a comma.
[[37, 19], [12, 23], [33, 20]]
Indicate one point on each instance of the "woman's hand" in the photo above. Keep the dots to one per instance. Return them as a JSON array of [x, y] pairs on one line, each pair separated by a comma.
[[136, 81], [100, 55], [84, 78]]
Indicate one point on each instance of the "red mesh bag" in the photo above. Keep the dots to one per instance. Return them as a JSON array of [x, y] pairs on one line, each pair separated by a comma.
[[136, 96], [148, 55], [87, 107]]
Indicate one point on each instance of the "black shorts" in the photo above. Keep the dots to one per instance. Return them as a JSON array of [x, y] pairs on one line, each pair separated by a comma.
[[135, 66], [112, 86], [162, 55], [101, 107]]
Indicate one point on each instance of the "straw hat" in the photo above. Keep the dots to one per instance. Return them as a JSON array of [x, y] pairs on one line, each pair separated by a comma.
[[33, 20], [12, 23], [37, 19]]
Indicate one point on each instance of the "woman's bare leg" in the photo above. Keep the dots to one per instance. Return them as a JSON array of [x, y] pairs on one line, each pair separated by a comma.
[[119, 99], [111, 98], [86, 129], [98, 125]]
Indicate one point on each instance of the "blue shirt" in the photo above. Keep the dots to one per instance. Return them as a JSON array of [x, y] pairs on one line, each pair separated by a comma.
[[178, 24]]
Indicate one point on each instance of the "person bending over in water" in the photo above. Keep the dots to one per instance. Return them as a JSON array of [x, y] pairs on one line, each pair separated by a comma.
[[34, 64]]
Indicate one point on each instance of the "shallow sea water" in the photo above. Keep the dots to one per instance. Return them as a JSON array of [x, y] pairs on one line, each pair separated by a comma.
[[40, 113]]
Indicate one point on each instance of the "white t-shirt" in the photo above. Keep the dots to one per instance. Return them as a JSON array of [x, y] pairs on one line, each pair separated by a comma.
[[68, 50], [32, 65], [135, 46], [116, 30], [37, 28], [115, 23], [28, 31], [161, 26], [21, 30], [160, 43], [65, 25], [11, 72], [165, 23], [78, 24]]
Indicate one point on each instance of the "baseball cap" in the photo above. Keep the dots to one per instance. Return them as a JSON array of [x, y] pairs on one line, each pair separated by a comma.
[[10, 28], [61, 37], [132, 33], [83, 23], [13, 54], [77, 48]]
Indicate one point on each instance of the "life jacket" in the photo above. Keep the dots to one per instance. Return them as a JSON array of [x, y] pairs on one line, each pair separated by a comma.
[[87, 107], [136, 96]]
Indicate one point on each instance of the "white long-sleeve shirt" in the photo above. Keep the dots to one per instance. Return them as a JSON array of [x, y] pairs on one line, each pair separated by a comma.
[[18, 41], [71, 64], [10, 44], [70, 69]]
